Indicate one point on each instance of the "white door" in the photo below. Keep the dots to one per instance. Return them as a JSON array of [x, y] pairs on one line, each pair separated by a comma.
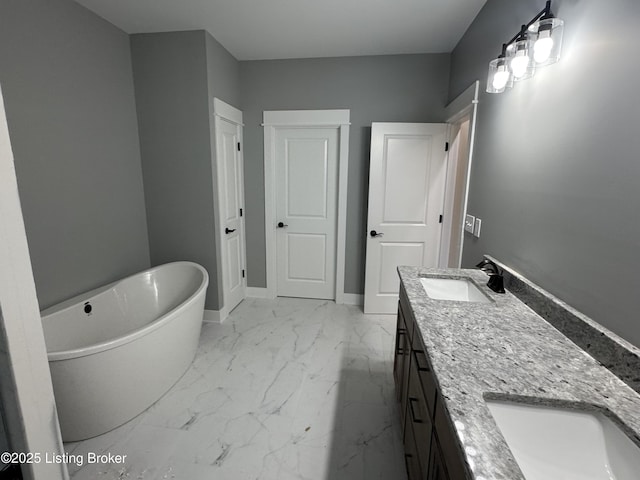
[[406, 193], [306, 211], [229, 171]]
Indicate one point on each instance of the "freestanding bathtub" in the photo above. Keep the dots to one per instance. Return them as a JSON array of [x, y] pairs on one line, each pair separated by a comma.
[[116, 350]]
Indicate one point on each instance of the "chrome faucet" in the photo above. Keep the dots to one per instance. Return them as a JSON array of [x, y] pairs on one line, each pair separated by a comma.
[[496, 280]]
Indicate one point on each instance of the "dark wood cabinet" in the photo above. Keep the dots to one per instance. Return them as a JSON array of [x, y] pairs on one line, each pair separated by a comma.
[[430, 446], [437, 470], [411, 457], [401, 354], [398, 362]]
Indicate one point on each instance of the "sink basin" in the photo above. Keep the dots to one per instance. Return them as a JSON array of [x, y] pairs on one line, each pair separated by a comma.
[[457, 289], [550, 443]]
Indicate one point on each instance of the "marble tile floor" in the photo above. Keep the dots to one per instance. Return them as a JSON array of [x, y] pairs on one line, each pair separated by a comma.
[[284, 389]]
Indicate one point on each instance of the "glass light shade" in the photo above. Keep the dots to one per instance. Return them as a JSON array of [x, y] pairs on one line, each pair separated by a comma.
[[519, 60], [546, 36], [499, 78]]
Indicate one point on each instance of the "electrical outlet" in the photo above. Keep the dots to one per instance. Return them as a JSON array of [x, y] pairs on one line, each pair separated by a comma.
[[476, 228], [469, 223]]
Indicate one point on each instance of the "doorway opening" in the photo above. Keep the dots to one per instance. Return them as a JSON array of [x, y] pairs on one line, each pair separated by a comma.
[[306, 165], [461, 117], [229, 180], [418, 193]]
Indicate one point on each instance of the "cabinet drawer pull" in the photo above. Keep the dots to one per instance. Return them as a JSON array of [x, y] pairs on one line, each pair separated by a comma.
[[422, 366], [400, 332], [413, 413]]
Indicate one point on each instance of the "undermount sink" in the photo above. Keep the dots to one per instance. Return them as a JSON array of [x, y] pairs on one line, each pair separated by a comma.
[[549, 442], [456, 289]]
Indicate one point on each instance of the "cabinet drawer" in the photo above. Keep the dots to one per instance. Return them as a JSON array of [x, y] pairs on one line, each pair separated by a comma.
[[419, 418], [448, 443], [408, 316], [425, 374], [401, 354]]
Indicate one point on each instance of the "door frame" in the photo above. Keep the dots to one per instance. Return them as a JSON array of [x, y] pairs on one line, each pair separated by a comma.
[[463, 106], [28, 402], [272, 120], [226, 112]]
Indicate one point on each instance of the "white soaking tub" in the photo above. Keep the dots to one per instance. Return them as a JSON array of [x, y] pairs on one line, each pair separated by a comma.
[[116, 350]]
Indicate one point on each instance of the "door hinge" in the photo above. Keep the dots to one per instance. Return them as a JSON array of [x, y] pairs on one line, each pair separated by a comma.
[[446, 147], [440, 220], [242, 273], [240, 212], [238, 146]]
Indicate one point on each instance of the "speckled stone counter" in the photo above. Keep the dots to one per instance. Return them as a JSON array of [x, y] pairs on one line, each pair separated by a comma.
[[612, 351], [504, 350]]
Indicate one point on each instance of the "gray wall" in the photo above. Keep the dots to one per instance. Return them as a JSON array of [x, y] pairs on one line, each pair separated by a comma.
[[68, 89], [223, 73], [556, 169], [176, 76], [399, 88]]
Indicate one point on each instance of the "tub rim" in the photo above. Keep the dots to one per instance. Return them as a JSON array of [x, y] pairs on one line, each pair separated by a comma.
[[131, 336]]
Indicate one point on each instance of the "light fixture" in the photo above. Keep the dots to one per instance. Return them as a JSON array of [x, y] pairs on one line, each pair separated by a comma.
[[537, 44], [521, 64], [547, 38], [500, 77]]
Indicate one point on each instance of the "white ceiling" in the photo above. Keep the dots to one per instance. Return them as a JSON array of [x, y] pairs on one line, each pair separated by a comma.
[[269, 29]]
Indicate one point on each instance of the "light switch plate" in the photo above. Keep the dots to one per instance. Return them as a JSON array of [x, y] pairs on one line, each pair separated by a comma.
[[469, 223], [476, 228]]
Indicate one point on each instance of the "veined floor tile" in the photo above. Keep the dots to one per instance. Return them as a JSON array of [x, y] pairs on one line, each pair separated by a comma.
[[284, 389]]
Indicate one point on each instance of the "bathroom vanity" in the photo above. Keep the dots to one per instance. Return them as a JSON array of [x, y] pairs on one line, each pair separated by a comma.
[[427, 431], [456, 359]]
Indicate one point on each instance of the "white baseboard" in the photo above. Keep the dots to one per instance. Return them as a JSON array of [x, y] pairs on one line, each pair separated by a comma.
[[215, 316], [347, 298], [257, 292], [353, 299]]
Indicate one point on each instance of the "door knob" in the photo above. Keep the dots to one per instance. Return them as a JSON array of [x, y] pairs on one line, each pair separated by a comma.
[[373, 233], [282, 225], [229, 230]]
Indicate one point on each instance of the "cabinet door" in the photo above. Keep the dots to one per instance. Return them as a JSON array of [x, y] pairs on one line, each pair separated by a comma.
[[414, 471], [436, 470], [448, 443]]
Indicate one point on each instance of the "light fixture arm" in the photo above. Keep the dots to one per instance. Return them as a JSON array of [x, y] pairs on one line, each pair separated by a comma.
[[504, 51]]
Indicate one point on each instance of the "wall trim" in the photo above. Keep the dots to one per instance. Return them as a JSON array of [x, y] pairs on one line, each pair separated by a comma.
[[462, 104], [228, 112], [352, 299], [215, 316], [257, 292], [465, 104], [312, 118], [307, 118]]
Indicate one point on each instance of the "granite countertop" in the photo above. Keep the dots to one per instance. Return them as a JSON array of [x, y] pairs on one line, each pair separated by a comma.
[[504, 350]]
